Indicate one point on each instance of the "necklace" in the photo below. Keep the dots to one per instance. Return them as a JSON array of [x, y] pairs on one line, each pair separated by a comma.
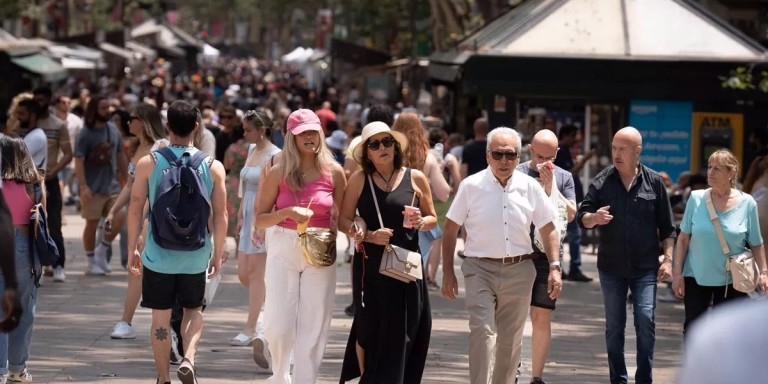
[[387, 186]]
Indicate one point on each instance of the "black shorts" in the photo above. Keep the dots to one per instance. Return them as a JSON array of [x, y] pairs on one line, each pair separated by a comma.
[[163, 291], [540, 296]]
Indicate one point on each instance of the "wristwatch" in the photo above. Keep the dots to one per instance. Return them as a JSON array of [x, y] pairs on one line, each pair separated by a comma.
[[555, 264]]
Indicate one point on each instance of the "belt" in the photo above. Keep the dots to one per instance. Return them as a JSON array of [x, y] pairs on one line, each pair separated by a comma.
[[508, 260], [23, 228]]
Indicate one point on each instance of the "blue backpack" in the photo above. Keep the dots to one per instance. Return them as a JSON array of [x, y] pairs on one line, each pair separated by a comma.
[[182, 206], [40, 242]]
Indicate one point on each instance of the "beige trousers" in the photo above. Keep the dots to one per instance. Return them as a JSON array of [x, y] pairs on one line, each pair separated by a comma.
[[498, 297]]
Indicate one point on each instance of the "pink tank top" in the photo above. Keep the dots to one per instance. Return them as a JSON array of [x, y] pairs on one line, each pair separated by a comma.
[[319, 191], [18, 201]]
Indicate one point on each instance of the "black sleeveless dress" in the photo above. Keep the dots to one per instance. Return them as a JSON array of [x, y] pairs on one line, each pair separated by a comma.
[[392, 319]]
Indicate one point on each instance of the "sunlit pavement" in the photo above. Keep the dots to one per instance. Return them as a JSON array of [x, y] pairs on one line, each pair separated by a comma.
[[74, 319]]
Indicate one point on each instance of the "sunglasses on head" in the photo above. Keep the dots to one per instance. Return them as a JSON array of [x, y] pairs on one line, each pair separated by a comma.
[[497, 155], [387, 142]]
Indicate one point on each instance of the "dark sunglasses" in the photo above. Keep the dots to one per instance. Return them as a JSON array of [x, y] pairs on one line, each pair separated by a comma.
[[222, 117], [497, 155], [387, 142]]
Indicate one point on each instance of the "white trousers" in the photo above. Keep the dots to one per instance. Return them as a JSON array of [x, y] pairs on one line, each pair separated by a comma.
[[297, 310]]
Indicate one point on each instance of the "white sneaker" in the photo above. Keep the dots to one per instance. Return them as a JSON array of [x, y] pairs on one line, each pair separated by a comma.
[[59, 275], [100, 257], [123, 330], [95, 270], [20, 377]]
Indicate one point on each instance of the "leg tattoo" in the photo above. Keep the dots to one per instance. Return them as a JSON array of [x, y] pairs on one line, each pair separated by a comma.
[[161, 333]]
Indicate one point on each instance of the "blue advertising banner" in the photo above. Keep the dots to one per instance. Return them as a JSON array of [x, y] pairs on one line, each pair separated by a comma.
[[666, 130]]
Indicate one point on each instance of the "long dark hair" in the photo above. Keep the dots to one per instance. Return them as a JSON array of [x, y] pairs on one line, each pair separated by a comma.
[[91, 111], [17, 162], [368, 166]]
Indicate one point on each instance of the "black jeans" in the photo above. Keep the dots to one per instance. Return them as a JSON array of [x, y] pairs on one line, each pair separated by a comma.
[[53, 208], [698, 297]]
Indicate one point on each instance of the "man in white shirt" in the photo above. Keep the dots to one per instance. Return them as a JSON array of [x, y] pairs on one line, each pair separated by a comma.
[[497, 206], [27, 114]]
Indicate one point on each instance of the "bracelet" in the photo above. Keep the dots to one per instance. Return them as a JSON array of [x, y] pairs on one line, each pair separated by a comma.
[[278, 216], [421, 224]]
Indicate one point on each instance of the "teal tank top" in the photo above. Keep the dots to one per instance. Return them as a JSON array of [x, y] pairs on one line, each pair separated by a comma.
[[167, 261]]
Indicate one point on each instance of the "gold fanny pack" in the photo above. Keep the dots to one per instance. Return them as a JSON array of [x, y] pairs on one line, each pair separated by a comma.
[[318, 245]]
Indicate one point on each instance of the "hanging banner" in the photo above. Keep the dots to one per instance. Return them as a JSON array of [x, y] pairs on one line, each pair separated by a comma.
[[666, 130]]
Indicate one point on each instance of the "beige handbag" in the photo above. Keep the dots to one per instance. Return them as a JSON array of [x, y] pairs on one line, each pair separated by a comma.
[[397, 262], [742, 266]]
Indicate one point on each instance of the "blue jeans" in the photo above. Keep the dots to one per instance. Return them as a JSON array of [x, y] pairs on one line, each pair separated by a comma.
[[573, 233], [643, 286], [14, 346], [425, 243]]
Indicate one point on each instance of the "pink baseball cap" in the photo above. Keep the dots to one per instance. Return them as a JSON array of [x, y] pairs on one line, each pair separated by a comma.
[[302, 120]]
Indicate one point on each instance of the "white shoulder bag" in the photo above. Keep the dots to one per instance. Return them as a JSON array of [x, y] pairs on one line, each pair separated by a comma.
[[742, 266]]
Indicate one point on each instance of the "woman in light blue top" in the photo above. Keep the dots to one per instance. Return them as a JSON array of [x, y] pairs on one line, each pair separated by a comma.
[[699, 273], [251, 251]]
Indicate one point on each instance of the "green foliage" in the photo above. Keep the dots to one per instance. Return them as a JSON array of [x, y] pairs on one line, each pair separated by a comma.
[[743, 79]]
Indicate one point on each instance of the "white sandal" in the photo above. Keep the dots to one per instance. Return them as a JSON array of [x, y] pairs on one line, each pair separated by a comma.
[[241, 340]]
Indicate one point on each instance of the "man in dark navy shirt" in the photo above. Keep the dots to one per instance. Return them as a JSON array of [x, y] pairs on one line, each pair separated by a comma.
[[629, 201]]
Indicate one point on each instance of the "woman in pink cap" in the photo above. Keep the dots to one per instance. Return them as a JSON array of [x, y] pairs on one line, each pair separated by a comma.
[[300, 297]]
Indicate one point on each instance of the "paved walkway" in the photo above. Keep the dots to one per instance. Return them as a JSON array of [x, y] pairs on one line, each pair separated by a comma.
[[71, 341]]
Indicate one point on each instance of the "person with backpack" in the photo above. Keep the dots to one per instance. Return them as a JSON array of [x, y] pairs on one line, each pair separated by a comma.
[[99, 161], [20, 179], [185, 188]]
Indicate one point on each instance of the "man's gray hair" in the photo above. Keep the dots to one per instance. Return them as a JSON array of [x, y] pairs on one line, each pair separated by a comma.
[[504, 131]]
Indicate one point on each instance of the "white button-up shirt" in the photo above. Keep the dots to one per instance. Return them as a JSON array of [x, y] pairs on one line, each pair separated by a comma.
[[498, 218]]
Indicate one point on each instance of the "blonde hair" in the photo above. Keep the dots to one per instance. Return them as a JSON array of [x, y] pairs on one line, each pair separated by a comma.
[[152, 120], [12, 125], [409, 124], [727, 159], [290, 161]]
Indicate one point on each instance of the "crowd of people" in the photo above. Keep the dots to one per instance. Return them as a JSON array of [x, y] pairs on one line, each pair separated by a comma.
[[174, 167]]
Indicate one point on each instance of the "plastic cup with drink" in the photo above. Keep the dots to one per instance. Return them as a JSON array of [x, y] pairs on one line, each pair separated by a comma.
[[410, 210]]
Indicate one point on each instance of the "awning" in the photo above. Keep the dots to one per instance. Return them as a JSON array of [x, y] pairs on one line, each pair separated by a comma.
[[50, 70], [145, 51], [72, 63], [442, 72], [209, 50], [118, 51]]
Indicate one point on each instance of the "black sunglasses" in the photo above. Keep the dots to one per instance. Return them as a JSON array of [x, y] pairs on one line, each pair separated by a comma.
[[223, 117], [497, 155], [387, 142]]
